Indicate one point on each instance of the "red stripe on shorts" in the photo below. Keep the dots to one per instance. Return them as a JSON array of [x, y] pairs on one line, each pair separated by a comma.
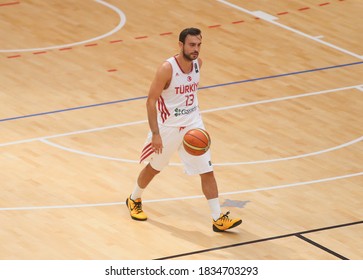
[[146, 152]]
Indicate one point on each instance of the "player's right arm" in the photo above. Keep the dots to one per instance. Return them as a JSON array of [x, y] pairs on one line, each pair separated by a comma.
[[161, 81]]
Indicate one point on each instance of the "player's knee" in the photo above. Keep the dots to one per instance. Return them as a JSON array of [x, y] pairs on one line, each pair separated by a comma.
[[207, 174], [152, 170]]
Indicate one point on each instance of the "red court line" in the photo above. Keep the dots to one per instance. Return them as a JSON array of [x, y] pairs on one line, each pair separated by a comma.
[[91, 45], [304, 9], [141, 37], [14, 56], [42, 52], [116, 41], [214, 26], [9, 3], [161, 34], [65, 49]]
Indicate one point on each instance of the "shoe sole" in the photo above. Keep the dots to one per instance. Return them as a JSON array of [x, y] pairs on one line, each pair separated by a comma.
[[134, 218], [221, 230]]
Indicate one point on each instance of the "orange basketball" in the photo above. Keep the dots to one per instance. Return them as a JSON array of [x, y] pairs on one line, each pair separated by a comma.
[[196, 141]]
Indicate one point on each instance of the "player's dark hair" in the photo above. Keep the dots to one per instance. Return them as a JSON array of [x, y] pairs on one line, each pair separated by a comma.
[[189, 31]]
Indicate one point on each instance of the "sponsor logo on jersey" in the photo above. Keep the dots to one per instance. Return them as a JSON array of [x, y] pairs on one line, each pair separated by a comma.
[[179, 112]]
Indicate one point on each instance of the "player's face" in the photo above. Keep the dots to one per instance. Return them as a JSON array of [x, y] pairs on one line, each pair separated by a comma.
[[191, 47]]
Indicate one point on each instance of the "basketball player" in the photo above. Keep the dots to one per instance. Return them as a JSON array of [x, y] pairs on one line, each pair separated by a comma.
[[172, 110]]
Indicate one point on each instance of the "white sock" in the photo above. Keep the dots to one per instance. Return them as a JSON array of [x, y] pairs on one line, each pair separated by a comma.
[[215, 208], [137, 192]]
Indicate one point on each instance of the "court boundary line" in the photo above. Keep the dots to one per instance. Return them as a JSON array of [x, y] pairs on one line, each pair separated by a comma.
[[45, 140], [70, 206], [201, 88], [93, 155], [295, 234], [268, 19], [318, 245], [122, 22], [203, 111]]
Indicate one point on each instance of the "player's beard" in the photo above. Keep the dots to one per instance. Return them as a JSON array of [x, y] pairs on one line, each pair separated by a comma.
[[191, 56]]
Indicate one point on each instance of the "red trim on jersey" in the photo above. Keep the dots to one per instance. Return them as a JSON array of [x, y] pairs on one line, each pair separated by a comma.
[[162, 109], [181, 68], [147, 151]]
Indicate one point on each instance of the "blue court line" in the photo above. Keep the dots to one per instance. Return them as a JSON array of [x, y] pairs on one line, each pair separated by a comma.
[[286, 74], [201, 88], [72, 109]]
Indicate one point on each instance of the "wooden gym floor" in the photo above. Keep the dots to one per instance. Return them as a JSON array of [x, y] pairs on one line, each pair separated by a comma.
[[281, 95]]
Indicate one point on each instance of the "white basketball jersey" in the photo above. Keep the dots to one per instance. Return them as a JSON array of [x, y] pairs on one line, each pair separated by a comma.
[[178, 104]]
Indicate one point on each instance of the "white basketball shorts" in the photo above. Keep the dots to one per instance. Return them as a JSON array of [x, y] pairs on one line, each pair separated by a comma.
[[172, 138]]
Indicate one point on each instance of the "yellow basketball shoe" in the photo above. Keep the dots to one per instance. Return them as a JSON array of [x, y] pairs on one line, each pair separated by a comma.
[[223, 223], [135, 208]]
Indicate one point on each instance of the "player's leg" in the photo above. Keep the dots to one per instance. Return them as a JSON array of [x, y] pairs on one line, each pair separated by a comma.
[[170, 138], [209, 185], [133, 202], [146, 175], [202, 165], [221, 222]]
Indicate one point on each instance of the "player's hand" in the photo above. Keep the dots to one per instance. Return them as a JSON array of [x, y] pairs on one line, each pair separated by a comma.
[[157, 144]]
